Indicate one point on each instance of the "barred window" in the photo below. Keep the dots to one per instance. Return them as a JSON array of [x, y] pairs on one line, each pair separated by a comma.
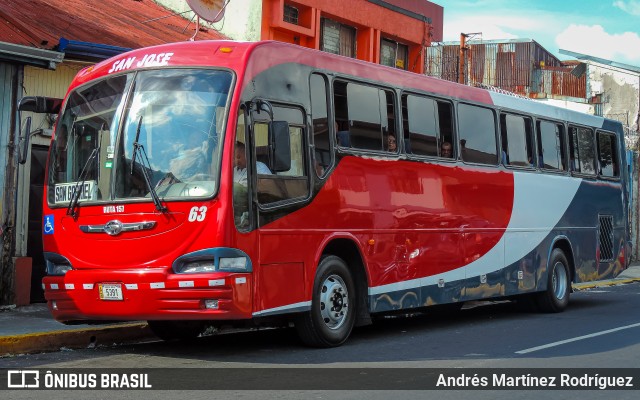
[[337, 38], [290, 14]]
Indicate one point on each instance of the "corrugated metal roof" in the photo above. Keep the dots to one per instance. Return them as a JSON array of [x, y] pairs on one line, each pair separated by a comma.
[[520, 66], [41, 23], [599, 60]]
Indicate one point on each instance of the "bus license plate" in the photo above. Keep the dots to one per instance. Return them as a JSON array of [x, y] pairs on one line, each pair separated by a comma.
[[111, 291]]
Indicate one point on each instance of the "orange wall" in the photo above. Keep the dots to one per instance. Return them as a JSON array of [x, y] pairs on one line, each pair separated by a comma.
[[372, 21]]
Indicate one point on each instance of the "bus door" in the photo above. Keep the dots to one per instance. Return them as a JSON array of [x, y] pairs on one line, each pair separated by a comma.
[[282, 183]]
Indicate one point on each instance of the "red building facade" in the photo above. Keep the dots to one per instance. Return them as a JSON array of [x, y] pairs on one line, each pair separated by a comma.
[[390, 32]]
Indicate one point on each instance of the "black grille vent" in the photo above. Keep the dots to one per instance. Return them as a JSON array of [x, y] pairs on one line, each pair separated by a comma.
[[606, 238]]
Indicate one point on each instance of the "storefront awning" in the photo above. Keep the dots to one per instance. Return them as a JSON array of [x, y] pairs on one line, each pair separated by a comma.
[[88, 51], [30, 55]]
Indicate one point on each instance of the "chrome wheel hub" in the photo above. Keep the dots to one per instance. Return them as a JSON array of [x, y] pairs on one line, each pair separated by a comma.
[[559, 280], [334, 302]]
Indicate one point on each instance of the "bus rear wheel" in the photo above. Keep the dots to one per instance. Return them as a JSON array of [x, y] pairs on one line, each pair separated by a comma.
[[176, 330], [333, 306], [556, 297]]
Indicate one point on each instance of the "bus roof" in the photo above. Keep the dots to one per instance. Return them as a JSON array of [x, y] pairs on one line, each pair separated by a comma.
[[255, 57]]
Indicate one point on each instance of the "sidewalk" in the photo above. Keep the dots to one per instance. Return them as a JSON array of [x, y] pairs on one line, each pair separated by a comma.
[[32, 329]]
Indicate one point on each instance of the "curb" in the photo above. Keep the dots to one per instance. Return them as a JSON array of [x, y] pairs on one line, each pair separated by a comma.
[[73, 339], [610, 282]]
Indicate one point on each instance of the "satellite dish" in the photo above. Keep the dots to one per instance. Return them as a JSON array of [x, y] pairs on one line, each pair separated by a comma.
[[208, 10]]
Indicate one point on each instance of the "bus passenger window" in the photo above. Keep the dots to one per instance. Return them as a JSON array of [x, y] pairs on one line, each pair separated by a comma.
[[477, 134], [582, 150], [421, 126], [445, 119], [389, 125], [365, 127], [364, 116], [427, 126], [608, 155], [517, 141], [320, 122], [275, 186], [240, 181], [551, 153], [341, 115]]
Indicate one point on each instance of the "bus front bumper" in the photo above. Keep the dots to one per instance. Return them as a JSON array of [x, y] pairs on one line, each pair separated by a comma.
[[148, 295]]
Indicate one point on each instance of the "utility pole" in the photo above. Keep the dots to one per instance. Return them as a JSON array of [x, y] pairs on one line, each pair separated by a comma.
[[463, 55], [462, 58]]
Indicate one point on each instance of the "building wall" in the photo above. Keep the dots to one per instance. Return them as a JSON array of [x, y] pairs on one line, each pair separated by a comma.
[[45, 82], [9, 81], [38, 82], [569, 105], [252, 20], [242, 18], [619, 91], [7, 72], [373, 22]]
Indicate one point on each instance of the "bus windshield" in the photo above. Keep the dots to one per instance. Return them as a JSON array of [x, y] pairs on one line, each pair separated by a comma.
[[173, 116]]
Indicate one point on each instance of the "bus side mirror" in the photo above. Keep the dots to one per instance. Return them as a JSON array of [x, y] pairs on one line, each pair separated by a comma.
[[279, 141], [24, 149], [40, 104]]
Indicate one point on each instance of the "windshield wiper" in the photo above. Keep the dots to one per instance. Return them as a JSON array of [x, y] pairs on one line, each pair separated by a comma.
[[136, 145], [144, 162], [72, 209]]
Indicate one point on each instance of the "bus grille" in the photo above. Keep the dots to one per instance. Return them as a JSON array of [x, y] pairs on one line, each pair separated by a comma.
[[606, 238]]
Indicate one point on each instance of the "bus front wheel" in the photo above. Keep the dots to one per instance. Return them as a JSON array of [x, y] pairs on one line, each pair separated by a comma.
[[333, 306], [556, 297]]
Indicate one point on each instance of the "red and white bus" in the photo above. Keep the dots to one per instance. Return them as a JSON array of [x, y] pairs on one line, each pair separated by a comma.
[[222, 183]]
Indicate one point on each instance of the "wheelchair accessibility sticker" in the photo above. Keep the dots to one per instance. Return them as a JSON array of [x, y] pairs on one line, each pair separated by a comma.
[[48, 225]]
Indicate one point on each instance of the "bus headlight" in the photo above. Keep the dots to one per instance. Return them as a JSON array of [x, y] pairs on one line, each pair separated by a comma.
[[59, 269], [197, 267], [233, 264], [56, 264], [216, 259]]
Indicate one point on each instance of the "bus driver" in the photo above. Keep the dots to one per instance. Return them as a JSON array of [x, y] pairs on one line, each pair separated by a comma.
[[240, 168]]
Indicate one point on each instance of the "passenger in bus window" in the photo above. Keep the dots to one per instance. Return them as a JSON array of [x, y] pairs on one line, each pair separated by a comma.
[[572, 163], [240, 169], [319, 168], [503, 157], [342, 137], [446, 150], [391, 143]]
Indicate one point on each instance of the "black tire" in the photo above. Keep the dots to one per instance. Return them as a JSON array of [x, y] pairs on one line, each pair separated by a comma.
[[333, 306], [556, 297], [176, 330]]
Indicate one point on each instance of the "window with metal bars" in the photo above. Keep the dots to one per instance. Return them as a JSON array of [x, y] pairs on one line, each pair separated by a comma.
[[291, 14], [393, 54], [605, 235], [337, 38]]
